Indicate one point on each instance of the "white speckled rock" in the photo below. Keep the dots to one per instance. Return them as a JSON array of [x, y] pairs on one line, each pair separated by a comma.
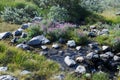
[[69, 61]]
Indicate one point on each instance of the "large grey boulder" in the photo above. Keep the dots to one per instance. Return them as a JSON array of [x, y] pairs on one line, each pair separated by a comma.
[[71, 43], [5, 35], [69, 61], [3, 69], [23, 46], [7, 77], [38, 40], [80, 69]]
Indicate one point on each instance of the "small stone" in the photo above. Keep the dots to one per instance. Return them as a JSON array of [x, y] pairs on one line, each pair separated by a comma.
[[71, 43], [80, 69], [90, 55], [78, 48], [25, 72], [110, 54], [14, 40], [56, 46], [3, 69], [116, 58], [69, 61], [80, 59], [44, 47], [91, 34]]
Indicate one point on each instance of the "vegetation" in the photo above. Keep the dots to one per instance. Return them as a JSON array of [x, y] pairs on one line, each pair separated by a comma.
[[18, 60]]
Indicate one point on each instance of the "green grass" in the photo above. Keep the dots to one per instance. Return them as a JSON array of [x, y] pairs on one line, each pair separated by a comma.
[[18, 60]]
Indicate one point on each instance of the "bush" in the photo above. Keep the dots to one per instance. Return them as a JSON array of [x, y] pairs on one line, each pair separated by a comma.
[[58, 14], [116, 44], [18, 15]]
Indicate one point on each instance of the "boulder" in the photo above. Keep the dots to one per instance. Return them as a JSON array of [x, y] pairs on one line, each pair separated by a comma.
[[7, 77], [69, 61], [26, 25], [71, 43], [3, 69], [17, 33], [5, 35], [55, 45], [38, 40], [23, 46], [80, 69]]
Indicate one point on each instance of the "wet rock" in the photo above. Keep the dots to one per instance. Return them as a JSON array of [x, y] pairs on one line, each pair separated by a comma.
[[23, 46], [71, 43], [80, 59], [2, 69], [25, 72], [38, 40], [55, 45], [24, 35], [5, 35], [44, 47], [80, 69], [78, 48], [7, 77], [69, 61], [17, 33]]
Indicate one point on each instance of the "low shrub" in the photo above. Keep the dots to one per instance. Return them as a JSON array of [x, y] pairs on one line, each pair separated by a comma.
[[116, 44]]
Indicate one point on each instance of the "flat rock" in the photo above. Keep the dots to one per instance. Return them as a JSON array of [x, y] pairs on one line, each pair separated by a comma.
[[38, 40]]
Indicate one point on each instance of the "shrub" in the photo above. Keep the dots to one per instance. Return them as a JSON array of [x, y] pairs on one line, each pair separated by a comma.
[[18, 15], [100, 76], [58, 13], [116, 44]]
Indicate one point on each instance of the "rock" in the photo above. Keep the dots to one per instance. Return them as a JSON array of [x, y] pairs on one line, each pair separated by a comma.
[[20, 29], [59, 77], [92, 27], [93, 45], [25, 26], [92, 34], [78, 48], [104, 57], [80, 59], [14, 40], [69, 61], [80, 69], [55, 45], [5, 35], [88, 76], [36, 19], [23, 46], [43, 53], [7, 77], [61, 40], [104, 31], [110, 54], [2, 69], [24, 35], [17, 33], [105, 48], [44, 47], [25, 72], [116, 58], [90, 55], [38, 40], [71, 43]]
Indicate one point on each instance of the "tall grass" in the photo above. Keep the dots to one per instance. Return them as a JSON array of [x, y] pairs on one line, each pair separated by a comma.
[[18, 60]]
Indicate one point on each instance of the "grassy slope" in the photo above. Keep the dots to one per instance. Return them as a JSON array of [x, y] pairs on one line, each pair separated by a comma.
[[18, 60]]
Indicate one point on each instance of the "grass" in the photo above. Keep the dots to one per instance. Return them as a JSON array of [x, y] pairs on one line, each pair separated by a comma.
[[17, 60], [8, 27]]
